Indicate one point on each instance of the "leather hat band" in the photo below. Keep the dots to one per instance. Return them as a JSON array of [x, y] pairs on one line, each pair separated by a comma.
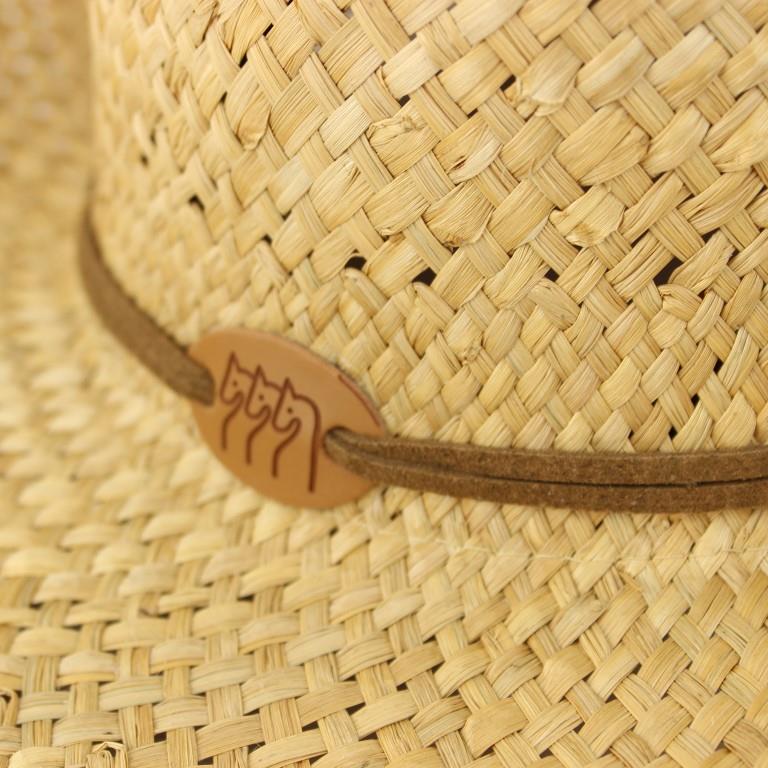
[[642, 482]]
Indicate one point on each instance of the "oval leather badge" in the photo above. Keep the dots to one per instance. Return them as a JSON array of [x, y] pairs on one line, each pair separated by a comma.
[[274, 402]]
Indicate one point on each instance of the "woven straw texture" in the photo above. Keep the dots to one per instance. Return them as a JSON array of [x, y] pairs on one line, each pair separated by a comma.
[[535, 224], [154, 613]]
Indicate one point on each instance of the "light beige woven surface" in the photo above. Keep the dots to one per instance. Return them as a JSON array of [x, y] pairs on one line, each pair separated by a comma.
[[555, 213], [156, 614]]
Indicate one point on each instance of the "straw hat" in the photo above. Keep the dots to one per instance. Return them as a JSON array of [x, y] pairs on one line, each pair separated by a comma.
[[533, 227]]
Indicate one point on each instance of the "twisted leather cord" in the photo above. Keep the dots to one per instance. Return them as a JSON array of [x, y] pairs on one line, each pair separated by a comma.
[[647, 482]]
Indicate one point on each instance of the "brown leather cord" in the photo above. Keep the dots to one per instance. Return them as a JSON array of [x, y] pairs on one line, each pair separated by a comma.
[[635, 469], [649, 482], [519, 477], [137, 331]]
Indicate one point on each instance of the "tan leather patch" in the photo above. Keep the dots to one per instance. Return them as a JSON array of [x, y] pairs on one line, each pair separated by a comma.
[[274, 402]]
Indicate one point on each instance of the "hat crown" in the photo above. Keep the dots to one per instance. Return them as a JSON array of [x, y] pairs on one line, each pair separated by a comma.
[[511, 223]]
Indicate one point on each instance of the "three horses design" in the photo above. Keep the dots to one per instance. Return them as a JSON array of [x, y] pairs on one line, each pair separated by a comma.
[[277, 428]]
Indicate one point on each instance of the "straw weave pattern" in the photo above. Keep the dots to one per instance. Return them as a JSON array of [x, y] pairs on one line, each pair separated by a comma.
[[536, 224], [154, 613]]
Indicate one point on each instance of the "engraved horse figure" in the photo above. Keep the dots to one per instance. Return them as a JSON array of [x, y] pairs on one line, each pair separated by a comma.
[[266, 418], [296, 414], [260, 407], [235, 386], [253, 398]]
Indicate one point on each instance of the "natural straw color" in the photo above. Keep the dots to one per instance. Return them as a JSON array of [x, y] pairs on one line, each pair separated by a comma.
[[551, 216], [156, 614]]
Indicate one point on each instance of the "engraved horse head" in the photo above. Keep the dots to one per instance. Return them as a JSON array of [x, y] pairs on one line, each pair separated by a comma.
[[236, 382], [235, 386], [260, 406]]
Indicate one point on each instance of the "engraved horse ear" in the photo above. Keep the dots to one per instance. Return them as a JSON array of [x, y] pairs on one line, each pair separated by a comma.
[[258, 375]]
